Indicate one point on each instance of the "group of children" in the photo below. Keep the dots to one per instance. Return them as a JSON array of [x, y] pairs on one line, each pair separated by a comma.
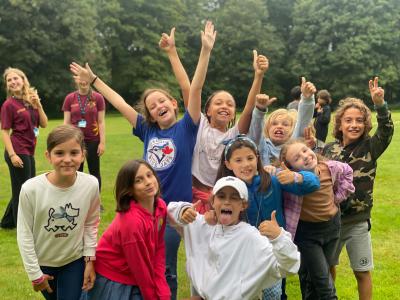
[[251, 209]]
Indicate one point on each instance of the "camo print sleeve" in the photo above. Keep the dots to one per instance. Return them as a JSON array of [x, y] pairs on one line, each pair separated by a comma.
[[383, 135]]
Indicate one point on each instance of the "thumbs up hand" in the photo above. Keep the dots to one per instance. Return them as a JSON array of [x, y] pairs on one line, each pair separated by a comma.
[[211, 217], [286, 176], [270, 229], [260, 63], [307, 88], [190, 213]]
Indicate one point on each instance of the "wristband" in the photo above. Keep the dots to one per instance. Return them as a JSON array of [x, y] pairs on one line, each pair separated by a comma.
[[38, 281], [93, 81], [89, 258]]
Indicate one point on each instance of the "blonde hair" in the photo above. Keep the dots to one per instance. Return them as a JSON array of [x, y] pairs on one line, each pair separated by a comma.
[[25, 88], [344, 105], [290, 115]]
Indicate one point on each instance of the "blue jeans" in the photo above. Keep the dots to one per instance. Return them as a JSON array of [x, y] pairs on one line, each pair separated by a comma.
[[67, 282], [172, 240]]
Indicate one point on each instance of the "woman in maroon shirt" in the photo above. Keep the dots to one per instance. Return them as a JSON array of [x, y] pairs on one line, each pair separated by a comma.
[[21, 116], [85, 109]]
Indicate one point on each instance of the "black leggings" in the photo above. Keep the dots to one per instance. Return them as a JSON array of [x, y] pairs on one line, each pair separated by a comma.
[[17, 176], [93, 160]]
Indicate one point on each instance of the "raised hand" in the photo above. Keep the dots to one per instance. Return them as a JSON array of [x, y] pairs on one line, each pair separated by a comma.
[[260, 63], [34, 98], [44, 285], [263, 101], [208, 36], [210, 217], [190, 214], [377, 93], [270, 229], [82, 73], [167, 42], [307, 88], [309, 138], [286, 176]]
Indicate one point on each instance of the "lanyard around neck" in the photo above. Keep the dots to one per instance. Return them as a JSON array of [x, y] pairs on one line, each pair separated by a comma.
[[82, 106]]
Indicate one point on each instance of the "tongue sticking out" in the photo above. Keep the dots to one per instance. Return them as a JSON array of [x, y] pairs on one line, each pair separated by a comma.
[[225, 218]]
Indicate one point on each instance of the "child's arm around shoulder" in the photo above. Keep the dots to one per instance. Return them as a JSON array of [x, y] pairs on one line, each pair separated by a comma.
[[299, 183], [86, 74], [207, 43]]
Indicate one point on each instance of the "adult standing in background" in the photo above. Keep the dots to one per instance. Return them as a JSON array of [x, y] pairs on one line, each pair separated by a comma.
[[21, 116], [85, 109]]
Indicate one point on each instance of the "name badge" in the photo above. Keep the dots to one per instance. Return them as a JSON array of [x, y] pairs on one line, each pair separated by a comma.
[[82, 124], [36, 131]]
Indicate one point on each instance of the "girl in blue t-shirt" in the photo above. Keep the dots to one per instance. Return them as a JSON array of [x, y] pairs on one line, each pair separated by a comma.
[[168, 143], [241, 159]]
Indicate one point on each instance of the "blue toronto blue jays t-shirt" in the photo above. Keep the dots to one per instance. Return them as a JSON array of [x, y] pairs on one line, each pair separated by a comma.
[[169, 152]]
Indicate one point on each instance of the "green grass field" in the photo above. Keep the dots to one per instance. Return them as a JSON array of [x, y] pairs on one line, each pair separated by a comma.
[[122, 146]]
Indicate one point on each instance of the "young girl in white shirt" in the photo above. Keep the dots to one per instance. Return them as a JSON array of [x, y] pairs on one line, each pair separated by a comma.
[[58, 216]]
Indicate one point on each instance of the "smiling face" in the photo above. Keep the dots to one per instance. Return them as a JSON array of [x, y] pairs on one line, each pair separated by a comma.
[[14, 83], [221, 110], [145, 185], [83, 86], [279, 129], [66, 158], [300, 158], [352, 125], [243, 163], [228, 205], [162, 109]]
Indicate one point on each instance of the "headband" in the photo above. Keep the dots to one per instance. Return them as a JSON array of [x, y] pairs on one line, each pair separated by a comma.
[[240, 137]]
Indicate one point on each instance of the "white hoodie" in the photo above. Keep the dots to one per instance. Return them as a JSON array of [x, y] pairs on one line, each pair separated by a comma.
[[233, 262]]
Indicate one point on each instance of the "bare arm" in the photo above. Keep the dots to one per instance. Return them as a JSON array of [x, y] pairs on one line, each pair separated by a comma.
[[207, 39], [167, 43], [260, 64], [67, 117], [112, 96], [15, 159], [102, 132]]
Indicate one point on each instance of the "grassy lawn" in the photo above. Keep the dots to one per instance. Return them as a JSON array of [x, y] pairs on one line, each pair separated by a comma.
[[122, 146]]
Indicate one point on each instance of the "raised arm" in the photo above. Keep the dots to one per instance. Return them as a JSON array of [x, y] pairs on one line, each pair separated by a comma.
[[384, 133], [167, 43], [260, 65], [207, 41], [86, 74]]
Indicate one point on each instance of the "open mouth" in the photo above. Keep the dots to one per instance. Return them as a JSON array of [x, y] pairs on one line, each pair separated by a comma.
[[226, 212], [223, 113], [162, 112]]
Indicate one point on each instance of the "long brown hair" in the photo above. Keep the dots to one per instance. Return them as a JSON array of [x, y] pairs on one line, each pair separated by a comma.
[[238, 143], [125, 182]]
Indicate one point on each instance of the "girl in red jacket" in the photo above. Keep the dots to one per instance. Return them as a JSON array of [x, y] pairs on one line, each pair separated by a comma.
[[130, 257]]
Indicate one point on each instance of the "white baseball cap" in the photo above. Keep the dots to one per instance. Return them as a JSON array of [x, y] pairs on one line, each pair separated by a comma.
[[234, 182]]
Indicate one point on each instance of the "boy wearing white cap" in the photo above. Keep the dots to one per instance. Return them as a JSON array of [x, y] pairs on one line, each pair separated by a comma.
[[233, 260]]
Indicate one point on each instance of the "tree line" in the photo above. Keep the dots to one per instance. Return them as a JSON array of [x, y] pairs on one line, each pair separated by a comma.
[[336, 44]]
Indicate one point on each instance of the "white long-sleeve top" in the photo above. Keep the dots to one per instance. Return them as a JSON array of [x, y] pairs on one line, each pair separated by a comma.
[[233, 262], [57, 225]]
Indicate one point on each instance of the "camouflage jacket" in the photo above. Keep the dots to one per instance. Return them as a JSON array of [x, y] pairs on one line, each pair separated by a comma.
[[362, 156]]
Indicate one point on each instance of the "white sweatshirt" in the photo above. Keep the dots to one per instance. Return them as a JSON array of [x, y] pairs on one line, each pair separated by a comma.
[[233, 262], [57, 225]]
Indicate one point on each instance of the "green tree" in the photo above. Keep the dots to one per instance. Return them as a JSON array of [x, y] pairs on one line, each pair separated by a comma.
[[42, 37], [341, 44]]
